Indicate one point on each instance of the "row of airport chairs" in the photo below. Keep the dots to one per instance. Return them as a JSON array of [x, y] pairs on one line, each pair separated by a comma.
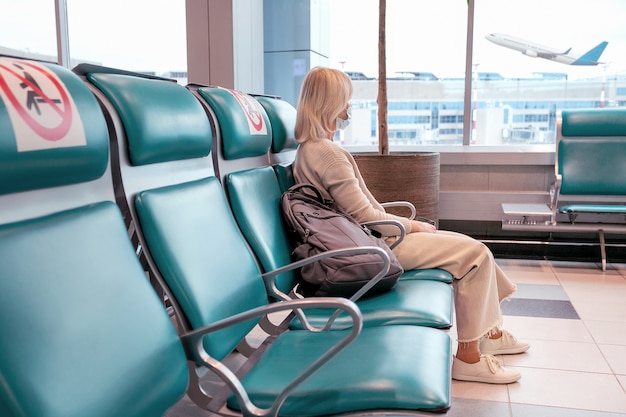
[[127, 282]]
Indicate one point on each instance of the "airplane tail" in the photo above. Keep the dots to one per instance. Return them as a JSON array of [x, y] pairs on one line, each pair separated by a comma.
[[592, 56]]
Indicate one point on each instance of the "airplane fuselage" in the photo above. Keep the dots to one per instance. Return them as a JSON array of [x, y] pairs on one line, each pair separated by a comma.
[[534, 50]]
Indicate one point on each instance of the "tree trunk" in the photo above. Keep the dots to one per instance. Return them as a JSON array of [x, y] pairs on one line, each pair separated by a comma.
[[383, 139]]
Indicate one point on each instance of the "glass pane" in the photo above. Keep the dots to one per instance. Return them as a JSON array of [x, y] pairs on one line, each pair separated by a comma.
[[140, 35], [27, 29], [533, 58], [425, 69]]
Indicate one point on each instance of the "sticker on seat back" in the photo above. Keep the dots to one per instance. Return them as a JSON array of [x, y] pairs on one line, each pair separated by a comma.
[[252, 110], [42, 111]]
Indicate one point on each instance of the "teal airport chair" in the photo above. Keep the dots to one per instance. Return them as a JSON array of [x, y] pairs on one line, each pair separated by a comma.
[[191, 241], [83, 332], [254, 195]]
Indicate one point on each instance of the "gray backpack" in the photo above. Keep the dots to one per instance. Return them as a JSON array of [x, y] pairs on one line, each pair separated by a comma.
[[315, 226]]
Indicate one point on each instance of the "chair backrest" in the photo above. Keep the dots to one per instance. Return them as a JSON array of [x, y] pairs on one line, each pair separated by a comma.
[[242, 131], [254, 196], [47, 118], [183, 221], [250, 183], [84, 333], [160, 129], [201, 254], [284, 173], [591, 152], [282, 117], [161, 136]]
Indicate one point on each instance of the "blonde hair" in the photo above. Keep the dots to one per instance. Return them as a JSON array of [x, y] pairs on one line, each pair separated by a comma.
[[323, 96]]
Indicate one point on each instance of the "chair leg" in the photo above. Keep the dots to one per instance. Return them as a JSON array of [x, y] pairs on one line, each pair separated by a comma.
[[602, 249]]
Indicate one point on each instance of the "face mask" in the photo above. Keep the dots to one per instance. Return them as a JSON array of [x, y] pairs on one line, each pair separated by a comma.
[[343, 123]]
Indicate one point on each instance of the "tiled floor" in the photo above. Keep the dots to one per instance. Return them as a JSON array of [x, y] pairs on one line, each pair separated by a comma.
[[574, 316]]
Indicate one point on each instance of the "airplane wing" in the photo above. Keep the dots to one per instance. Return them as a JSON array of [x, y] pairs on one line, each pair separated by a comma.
[[551, 55]]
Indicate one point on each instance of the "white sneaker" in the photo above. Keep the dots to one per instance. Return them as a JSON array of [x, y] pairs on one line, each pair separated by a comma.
[[489, 370], [507, 344]]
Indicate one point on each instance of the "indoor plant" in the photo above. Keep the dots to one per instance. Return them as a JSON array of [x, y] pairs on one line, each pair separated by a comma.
[[412, 177]]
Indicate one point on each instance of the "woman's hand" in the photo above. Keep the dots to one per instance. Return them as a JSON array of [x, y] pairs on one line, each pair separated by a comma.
[[422, 227]]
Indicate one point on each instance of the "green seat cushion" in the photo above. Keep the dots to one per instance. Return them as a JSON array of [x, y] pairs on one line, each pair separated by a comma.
[[413, 374], [84, 332], [434, 274], [594, 208], [416, 302]]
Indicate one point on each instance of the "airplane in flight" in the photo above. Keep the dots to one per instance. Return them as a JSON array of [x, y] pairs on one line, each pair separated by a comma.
[[534, 50]]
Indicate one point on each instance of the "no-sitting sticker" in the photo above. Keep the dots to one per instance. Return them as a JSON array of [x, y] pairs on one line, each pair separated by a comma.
[[42, 112], [252, 110]]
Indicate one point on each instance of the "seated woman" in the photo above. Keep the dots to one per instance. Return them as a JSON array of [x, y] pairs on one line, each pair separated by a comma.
[[479, 284]]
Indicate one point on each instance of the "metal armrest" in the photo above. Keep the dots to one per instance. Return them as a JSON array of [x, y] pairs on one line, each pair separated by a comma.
[[396, 223], [425, 220], [407, 204], [413, 215], [555, 192], [195, 351], [270, 276]]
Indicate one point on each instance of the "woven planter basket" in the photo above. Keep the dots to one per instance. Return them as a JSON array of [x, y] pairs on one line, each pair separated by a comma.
[[410, 177]]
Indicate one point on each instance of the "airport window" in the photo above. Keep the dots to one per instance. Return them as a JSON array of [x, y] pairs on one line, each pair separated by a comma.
[[523, 71], [544, 70], [425, 67], [114, 40], [117, 33], [27, 28]]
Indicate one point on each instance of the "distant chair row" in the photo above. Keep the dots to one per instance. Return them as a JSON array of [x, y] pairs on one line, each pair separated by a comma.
[[589, 190]]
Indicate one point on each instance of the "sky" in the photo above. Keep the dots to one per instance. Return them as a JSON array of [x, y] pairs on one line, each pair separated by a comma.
[[422, 35], [430, 35], [107, 35]]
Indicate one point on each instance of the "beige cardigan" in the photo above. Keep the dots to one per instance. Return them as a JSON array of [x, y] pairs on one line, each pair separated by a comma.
[[332, 169]]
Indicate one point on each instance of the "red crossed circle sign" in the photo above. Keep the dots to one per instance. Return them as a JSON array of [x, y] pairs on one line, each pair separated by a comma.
[[249, 107], [11, 79]]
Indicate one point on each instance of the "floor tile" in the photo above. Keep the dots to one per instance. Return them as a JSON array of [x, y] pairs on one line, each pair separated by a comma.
[[619, 267], [567, 356], [534, 265], [525, 410], [540, 292], [584, 274], [601, 311], [478, 391], [463, 408], [595, 289], [576, 267], [607, 332], [569, 389], [616, 357], [538, 278], [559, 309], [536, 328]]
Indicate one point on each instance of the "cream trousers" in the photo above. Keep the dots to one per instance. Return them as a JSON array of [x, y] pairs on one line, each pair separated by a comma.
[[479, 284]]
